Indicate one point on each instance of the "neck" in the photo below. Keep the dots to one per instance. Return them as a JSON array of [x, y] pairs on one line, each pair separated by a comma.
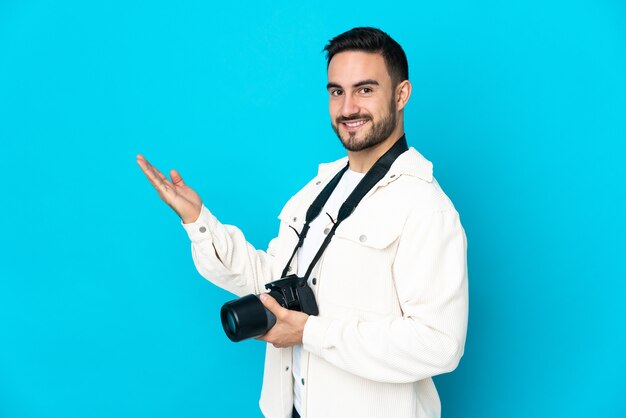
[[362, 161]]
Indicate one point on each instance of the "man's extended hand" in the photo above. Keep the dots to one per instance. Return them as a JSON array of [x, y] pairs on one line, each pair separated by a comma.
[[180, 197], [289, 324]]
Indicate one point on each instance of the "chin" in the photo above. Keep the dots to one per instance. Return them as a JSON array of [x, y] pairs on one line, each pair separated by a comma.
[[354, 141], [356, 146]]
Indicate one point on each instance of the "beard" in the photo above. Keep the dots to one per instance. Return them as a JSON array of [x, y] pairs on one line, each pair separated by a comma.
[[379, 131]]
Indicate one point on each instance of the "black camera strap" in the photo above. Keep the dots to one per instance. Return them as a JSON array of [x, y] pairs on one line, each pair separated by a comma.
[[373, 176]]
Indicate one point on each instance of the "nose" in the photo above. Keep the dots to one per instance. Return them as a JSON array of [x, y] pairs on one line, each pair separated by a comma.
[[349, 106]]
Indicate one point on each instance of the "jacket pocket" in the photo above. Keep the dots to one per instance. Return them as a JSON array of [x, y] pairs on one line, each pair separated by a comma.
[[371, 234], [357, 269]]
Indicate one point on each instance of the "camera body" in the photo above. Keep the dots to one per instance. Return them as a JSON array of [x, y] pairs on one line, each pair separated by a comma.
[[293, 292], [247, 317]]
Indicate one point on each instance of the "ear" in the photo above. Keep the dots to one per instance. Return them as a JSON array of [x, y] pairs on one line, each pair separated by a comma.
[[403, 92]]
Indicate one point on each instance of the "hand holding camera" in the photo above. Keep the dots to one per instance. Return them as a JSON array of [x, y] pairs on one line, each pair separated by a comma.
[[278, 316], [289, 326]]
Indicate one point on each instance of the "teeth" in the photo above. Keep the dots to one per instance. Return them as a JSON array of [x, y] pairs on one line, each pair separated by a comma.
[[355, 124]]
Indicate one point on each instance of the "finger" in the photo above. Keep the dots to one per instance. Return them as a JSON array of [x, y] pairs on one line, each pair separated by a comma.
[[145, 165], [143, 161], [268, 337], [158, 180], [273, 306], [156, 173], [147, 169], [177, 179], [267, 340]]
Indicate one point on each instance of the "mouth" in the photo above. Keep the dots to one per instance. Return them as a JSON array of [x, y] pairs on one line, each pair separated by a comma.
[[354, 125]]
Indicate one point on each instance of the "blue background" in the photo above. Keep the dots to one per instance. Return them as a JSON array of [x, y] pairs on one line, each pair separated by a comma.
[[520, 105]]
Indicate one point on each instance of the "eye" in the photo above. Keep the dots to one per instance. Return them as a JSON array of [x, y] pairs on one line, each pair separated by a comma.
[[336, 92], [366, 90]]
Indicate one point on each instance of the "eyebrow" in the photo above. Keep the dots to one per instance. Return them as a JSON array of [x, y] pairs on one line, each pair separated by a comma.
[[368, 82]]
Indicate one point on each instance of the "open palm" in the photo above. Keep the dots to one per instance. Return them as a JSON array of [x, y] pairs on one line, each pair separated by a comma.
[[180, 197]]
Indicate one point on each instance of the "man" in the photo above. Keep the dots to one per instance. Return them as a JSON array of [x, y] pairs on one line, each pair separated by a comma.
[[391, 285]]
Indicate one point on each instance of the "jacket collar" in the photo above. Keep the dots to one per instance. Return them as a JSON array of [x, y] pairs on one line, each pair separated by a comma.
[[410, 163]]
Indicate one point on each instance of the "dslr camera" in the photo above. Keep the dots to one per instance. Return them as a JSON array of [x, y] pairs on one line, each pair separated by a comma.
[[247, 317]]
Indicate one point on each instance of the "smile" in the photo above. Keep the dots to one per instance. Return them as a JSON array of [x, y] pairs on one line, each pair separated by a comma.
[[355, 124]]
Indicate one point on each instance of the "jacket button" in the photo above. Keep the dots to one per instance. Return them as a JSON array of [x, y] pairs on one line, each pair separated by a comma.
[[302, 380], [287, 368], [326, 231], [363, 238], [202, 229], [314, 281]]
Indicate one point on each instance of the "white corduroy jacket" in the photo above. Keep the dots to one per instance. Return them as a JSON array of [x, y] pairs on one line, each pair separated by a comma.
[[391, 289]]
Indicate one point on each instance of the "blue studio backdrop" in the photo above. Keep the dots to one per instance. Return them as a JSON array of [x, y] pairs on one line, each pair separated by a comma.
[[520, 105]]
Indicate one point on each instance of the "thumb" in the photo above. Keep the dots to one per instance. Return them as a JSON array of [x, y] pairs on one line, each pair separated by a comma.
[[273, 306], [177, 179]]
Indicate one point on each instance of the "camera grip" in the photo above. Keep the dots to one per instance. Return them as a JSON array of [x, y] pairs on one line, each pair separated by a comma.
[[306, 297]]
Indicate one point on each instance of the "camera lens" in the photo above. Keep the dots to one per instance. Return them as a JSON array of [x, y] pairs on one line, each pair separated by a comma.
[[232, 324], [246, 317]]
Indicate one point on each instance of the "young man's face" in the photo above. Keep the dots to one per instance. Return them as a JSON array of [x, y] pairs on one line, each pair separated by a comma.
[[361, 104]]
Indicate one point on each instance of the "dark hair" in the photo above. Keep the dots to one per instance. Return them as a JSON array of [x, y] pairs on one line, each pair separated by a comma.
[[372, 40]]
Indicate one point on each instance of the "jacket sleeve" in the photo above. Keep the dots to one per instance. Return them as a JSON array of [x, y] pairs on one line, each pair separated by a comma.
[[224, 257], [430, 275]]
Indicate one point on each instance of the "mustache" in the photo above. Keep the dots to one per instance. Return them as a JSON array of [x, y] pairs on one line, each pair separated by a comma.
[[356, 116]]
